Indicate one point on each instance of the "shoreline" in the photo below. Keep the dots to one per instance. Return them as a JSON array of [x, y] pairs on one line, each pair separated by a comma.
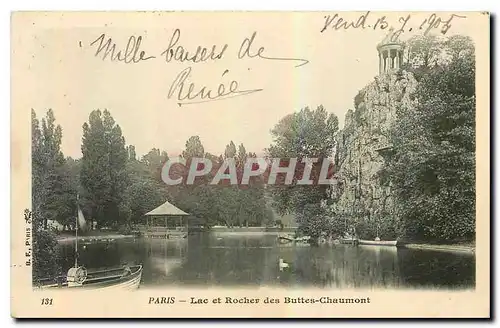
[[245, 233], [436, 247], [62, 239], [422, 246]]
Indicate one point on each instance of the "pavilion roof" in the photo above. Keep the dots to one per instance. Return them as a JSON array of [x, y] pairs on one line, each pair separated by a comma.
[[166, 209]]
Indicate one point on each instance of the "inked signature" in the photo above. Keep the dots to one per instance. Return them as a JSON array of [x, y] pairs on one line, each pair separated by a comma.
[[189, 95], [181, 89], [245, 52], [179, 53], [131, 54]]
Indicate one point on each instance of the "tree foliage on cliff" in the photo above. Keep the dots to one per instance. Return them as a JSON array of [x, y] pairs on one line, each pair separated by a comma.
[[304, 134], [433, 166]]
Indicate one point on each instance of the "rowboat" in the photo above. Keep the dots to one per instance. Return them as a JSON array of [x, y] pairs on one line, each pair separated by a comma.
[[124, 278], [287, 238], [379, 242], [349, 241], [127, 278]]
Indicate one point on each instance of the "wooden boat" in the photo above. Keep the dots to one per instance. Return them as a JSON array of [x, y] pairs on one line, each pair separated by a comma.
[[349, 241], [287, 238], [124, 278], [127, 278], [379, 242]]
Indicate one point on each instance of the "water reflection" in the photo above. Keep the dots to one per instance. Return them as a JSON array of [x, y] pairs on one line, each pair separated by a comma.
[[229, 260]]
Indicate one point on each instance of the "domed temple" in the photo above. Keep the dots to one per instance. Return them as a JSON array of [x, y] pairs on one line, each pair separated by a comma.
[[390, 56]]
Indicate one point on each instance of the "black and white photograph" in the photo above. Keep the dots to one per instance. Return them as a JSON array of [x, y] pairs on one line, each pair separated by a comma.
[[309, 160]]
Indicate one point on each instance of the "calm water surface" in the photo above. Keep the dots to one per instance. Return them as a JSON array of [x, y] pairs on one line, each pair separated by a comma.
[[225, 260]]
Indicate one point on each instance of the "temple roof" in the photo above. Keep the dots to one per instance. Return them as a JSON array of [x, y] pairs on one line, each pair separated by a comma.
[[388, 40], [166, 209]]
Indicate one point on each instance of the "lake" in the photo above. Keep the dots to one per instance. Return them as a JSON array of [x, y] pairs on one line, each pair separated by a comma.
[[236, 260]]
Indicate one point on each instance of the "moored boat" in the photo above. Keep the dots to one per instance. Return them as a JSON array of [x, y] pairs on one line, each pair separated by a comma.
[[349, 241], [127, 278], [379, 242], [286, 238]]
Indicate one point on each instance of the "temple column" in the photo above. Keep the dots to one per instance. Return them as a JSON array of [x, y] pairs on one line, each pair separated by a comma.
[[380, 63], [392, 58], [387, 61]]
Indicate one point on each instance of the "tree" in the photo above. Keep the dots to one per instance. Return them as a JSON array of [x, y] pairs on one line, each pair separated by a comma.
[[103, 175], [194, 148], [54, 187], [304, 134], [141, 197], [47, 167], [49, 188], [433, 166], [198, 199], [65, 201], [230, 151], [228, 206], [145, 190], [131, 152], [45, 254], [242, 156], [424, 51], [154, 160], [231, 205], [458, 46], [38, 186]]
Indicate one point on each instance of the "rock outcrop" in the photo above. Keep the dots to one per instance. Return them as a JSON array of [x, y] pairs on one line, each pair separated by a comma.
[[362, 195]]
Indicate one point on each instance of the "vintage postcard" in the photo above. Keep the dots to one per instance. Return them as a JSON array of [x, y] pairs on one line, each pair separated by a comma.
[[250, 165]]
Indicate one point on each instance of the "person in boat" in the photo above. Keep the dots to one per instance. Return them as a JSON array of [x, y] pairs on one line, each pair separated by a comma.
[[350, 233], [126, 272]]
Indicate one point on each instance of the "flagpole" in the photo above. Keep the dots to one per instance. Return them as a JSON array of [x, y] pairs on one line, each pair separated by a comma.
[[76, 231]]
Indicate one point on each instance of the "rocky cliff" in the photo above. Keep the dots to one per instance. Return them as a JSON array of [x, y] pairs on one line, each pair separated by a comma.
[[362, 195]]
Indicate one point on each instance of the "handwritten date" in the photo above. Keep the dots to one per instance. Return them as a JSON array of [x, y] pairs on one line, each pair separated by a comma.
[[365, 21]]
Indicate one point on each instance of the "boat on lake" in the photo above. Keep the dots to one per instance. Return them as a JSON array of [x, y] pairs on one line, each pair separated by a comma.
[[350, 237], [124, 278], [379, 242], [289, 238], [348, 241]]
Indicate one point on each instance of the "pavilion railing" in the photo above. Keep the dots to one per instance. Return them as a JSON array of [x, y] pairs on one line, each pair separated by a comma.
[[166, 229]]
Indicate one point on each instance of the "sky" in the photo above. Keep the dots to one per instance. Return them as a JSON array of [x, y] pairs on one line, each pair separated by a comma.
[[63, 73]]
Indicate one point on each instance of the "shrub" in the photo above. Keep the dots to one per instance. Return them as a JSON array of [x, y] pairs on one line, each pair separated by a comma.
[[360, 97]]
